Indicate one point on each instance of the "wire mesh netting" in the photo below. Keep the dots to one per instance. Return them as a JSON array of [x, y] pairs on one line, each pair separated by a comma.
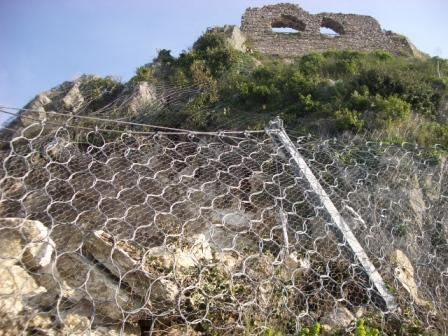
[[214, 233]]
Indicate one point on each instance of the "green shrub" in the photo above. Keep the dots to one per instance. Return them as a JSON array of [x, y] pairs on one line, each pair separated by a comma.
[[164, 57], [348, 120], [383, 55], [432, 134], [363, 330], [390, 109], [209, 41], [360, 101], [213, 49], [304, 332], [144, 74], [312, 64], [379, 81], [316, 329], [344, 63], [271, 332], [360, 328], [178, 77], [204, 81]]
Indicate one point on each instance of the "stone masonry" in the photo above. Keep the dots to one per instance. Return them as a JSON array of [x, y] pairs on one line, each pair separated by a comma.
[[355, 32]]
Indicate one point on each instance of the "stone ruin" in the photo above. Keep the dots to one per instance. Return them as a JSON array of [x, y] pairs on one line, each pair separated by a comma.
[[351, 31]]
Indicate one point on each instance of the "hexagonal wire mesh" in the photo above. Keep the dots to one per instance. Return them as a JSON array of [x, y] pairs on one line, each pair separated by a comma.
[[214, 233]]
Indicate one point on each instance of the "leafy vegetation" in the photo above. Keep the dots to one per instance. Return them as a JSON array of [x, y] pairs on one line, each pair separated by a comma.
[[363, 330], [100, 91], [330, 92], [315, 330]]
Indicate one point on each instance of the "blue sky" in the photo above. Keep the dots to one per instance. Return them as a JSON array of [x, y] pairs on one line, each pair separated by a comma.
[[45, 42]]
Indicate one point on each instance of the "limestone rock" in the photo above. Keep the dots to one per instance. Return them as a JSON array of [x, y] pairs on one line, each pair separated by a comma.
[[40, 101], [294, 266], [404, 273], [23, 243], [226, 262], [34, 323], [197, 250], [29, 118], [74, 99], [42, 323], [75, 324], [38, 105], [78, 324], [147, 273], [83, 279], [124, 260], [326, 329], [294, 262], [235, 37], [143, 95], [16, 287], [135, 277], [340, 317], [25, 240]]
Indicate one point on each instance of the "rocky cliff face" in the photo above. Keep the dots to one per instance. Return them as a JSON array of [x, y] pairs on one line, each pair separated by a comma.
[[92, 96], [88, 95], [58, 298]]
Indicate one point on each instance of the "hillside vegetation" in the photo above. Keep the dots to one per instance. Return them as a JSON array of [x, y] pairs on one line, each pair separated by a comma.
[[322, 93]]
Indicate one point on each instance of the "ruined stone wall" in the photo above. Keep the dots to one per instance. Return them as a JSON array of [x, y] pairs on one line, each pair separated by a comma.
[[356, 32]]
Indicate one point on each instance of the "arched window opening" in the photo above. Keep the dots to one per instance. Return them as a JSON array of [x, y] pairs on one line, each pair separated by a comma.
[[328, 32], [331, 28], [287, 24], [284, 30]]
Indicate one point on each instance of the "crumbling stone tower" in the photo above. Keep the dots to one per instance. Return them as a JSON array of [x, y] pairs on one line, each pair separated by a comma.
[[355, 32]]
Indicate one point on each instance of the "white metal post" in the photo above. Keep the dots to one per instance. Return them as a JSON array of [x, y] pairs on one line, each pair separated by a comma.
[[277, 132]]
